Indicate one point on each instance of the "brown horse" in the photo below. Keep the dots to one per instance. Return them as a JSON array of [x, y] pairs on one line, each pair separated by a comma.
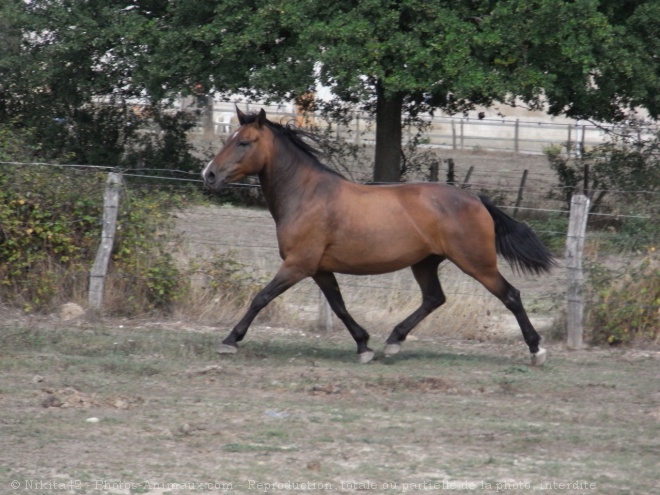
[[327, 224]]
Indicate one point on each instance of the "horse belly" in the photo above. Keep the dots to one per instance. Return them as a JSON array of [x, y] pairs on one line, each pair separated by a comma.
[[368, 255]]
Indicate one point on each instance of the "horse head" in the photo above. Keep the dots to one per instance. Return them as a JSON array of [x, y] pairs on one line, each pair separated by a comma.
[[246, 152]]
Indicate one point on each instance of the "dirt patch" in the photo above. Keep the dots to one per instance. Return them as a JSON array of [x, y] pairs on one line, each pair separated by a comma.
[[71, 397]]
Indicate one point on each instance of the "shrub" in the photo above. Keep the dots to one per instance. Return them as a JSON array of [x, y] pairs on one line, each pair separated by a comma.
[[629, 161], [143, 277], [49, 229], [625, 307]]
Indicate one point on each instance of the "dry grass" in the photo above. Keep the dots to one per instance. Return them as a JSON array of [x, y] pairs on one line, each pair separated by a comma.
[[295, 407]]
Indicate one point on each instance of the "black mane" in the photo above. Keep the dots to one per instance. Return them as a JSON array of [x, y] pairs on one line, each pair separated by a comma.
[[298, 138]]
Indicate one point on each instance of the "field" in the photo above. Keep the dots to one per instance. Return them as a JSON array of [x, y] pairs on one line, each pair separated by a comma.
[[294, 413], [146, 406]]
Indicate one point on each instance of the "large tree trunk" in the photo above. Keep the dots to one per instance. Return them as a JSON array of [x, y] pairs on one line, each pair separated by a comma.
[[388, 136]]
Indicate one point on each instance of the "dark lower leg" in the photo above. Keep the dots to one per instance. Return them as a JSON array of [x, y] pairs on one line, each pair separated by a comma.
[[482, 266], [513, 303], [426, 274], [328, 284], [282, 281]]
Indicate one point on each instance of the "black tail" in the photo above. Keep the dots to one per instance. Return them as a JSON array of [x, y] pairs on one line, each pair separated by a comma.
[[518, 244]]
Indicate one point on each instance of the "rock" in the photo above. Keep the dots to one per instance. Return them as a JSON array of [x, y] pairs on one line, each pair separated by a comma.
[[51, 401], [71, 311]]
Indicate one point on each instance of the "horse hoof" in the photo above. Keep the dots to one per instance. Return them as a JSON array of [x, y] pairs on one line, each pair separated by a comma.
[[391, 349], [366, 356], [539, 358], [226, 349]]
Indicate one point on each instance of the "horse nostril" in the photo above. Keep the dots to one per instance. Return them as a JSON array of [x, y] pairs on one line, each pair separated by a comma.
[[210, 177]]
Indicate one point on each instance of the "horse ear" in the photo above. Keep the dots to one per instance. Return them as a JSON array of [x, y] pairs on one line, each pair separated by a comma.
[[261, 118], [241, 116]]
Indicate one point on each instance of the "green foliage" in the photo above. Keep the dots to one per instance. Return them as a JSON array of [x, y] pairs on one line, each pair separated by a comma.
[[627, 162], [636, 235], [552, 231], [72, 75], [226, 279], [624, 178], [144, 276], [626, 307], [49, 229], [14, 144], [586, 59]]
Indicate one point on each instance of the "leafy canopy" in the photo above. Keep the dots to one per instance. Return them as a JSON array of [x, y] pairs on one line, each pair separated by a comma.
[[588, 59]]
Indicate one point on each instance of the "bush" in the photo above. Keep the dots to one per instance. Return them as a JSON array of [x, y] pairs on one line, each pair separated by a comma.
[[49, 229], [629, 161], [626, 307], [143, 277]]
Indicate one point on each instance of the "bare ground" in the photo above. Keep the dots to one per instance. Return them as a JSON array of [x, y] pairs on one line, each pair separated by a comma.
[[294, 413]]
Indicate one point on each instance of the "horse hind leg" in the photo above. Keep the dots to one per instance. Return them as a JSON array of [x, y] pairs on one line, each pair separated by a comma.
[[330, 288], [426, 275], [514, 304], [510, 297]]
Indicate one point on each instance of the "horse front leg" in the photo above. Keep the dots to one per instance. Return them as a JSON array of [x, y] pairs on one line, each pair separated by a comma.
[[286, 277], [328, 285]]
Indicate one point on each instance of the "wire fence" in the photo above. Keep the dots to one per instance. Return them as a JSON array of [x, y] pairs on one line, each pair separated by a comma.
[[248, 236]]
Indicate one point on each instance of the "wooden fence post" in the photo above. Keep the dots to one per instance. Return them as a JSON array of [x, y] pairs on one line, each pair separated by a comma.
[[325, 322], [577, 226], [462, 135], [100, 267], [466, 181], [521, 189], [451, 177], [434, 169], [516, 137]]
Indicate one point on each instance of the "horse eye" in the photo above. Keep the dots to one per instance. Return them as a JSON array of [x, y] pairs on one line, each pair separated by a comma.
[[244, 144]]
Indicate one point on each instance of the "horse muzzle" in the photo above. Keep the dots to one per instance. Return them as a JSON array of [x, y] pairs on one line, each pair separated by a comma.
[[213, 180]]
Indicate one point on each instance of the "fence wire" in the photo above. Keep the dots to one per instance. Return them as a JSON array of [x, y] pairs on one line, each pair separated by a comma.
[[252, 241]]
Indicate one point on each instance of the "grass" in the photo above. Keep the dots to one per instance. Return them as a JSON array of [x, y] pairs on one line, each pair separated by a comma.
[[298, 408]]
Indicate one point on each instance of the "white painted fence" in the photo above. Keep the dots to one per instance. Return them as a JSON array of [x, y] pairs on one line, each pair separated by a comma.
[[515, 135]]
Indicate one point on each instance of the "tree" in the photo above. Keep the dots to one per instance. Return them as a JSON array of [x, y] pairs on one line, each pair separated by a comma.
[[588, 59], [71, 71], [584, 58], [382, 55]]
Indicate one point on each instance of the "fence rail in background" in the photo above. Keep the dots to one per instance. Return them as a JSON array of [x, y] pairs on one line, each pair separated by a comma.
[[459, 133]]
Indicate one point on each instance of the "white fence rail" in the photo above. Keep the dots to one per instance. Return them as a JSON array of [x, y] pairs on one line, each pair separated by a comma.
[[460, 133]]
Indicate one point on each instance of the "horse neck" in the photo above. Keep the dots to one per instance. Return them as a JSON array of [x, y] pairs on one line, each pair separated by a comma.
[[288, 180]]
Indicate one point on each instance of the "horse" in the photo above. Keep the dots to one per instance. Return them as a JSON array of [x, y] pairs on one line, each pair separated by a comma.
[[327, 224]]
